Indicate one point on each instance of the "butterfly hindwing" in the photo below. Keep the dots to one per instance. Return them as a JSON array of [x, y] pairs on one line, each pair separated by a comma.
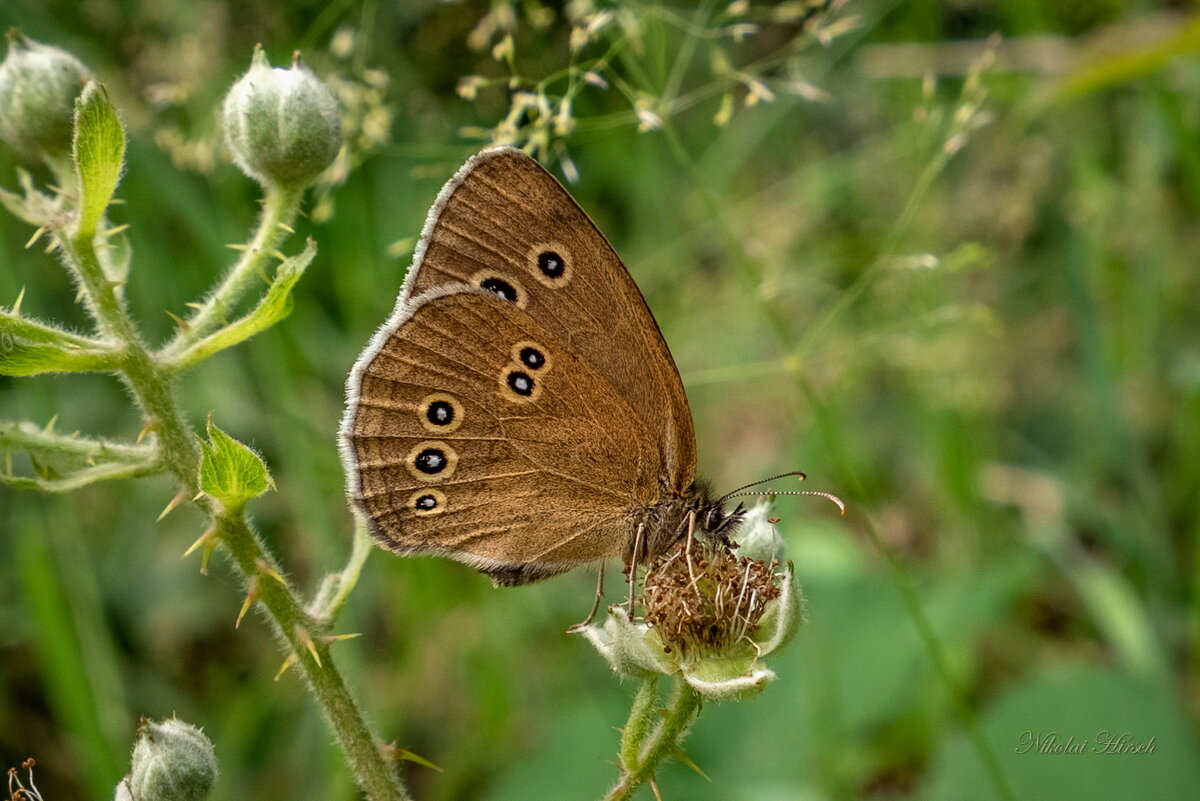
[[474, 432]]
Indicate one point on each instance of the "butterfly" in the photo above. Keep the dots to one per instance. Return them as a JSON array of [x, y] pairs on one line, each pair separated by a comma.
[[520, 411]]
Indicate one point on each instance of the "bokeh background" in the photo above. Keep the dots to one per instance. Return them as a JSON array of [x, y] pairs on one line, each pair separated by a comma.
[[967, 305]]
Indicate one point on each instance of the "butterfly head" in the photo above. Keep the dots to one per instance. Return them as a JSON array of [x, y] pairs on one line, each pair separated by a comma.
[[710, 515], [715, 520]]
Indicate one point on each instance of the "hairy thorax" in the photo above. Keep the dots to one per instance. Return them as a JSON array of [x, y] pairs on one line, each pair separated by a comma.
[[655, 528]]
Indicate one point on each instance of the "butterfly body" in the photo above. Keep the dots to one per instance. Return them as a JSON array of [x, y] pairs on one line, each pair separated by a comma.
[[520, 411]]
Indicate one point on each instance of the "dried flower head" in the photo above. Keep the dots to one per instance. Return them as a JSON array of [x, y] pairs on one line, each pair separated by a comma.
[[707, 600], [711, 613]]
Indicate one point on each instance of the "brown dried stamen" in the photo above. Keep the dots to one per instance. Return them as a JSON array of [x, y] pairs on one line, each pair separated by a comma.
[[706, 601]]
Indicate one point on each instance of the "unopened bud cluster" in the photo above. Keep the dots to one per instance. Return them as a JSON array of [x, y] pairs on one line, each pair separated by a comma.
[[282, 126], [38, 87], [172, 761]]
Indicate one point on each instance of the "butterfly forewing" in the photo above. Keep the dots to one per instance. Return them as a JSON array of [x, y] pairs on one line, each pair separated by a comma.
[[475, 432], [506, 225]]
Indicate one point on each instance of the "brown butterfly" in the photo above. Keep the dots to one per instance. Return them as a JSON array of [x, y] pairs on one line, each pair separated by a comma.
[[520, 411]]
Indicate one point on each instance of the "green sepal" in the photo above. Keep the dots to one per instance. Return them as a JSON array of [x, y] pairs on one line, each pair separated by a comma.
[[99, 156], [33, 206], [230, 471]]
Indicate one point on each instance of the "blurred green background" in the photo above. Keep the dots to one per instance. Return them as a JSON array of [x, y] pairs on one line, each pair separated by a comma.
[[984, 337]]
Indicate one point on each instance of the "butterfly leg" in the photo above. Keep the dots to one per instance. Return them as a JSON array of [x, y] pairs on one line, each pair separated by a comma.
[[595, 604], [638, 542], [687, 549]]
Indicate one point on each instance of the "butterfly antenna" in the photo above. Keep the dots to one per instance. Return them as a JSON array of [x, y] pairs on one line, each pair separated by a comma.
[[774, 493], [734, 493]]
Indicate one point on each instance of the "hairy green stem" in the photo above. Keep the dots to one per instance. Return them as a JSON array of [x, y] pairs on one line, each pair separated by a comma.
[[646, 749], [333, 595], [151, 382], [27, 436], [279, 211], [641, 715], [107, 471], [303, 635], [151, 389]]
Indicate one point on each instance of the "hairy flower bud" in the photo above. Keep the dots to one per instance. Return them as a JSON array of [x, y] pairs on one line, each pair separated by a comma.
[[38, 87], [282, 126], [172, 761]]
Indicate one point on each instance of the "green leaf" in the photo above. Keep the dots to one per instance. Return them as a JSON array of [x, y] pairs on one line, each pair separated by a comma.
[[275, 305], [15, 325], [28, 347], [99, 155], [23, 357], [230, 471]]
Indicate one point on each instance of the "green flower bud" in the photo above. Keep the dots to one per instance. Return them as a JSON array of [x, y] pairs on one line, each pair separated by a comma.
[[38, 87], [282, 126], [172, 761]]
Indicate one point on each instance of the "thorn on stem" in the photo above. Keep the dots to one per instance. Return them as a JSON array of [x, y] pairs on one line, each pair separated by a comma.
[[287, 663], [251, 597], [396, 753], [264, 568], [179, 498], [150, 427], [208, 542], [307, 641], [179, 321]]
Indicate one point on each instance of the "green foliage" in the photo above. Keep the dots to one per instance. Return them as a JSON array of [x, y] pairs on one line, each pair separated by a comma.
[[275, 305], [31, 358], [231, 472], [99, 155], [993, 360]]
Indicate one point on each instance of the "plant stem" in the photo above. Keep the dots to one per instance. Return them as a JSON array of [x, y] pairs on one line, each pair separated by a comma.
[[27, 436], [651, 750], [302, 634], [279, 210], [641, 715], [332, 597], [151, 389], [151, 384]]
